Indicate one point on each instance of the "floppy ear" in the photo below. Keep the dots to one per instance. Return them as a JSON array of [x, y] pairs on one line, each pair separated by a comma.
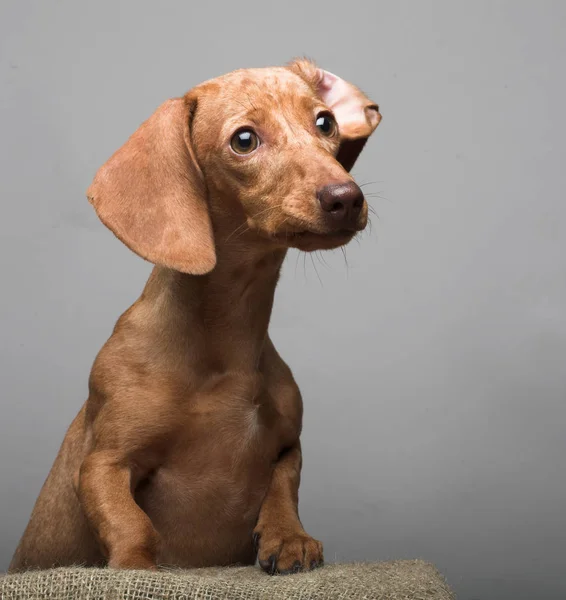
[[357, 115], [151, 193]]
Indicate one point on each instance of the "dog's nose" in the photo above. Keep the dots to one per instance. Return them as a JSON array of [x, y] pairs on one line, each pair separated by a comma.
[[342, 201]]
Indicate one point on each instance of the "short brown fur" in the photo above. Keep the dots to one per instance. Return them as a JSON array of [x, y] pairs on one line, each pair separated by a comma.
[[187, 450]]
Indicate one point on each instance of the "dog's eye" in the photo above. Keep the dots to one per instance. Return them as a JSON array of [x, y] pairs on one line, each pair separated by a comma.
[[244, 141], [326, 125]]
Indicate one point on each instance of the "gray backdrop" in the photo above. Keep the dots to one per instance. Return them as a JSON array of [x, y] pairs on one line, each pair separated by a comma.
[[435, 405]]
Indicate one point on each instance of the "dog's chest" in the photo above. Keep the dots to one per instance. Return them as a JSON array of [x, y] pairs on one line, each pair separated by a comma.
[[229, 435], [219, 465]]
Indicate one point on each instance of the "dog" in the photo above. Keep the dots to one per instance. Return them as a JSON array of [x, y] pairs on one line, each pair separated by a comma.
[[187, 451]]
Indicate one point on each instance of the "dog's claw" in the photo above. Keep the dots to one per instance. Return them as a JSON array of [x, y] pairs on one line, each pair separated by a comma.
[[269, 565], [296, 568], [255, 539]]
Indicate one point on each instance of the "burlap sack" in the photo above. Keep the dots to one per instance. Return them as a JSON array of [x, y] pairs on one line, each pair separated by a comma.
[[397, 580]]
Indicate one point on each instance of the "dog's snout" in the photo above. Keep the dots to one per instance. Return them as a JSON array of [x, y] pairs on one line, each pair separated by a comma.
[[343, 202]]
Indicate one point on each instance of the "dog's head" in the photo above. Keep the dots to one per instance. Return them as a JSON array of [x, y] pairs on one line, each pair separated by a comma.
[[269, 149]]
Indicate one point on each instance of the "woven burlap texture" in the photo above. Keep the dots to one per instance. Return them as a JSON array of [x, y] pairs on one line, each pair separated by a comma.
[[396, 580]]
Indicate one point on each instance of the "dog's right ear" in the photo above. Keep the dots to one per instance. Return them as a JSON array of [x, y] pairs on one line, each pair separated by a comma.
[[151, 193], [356, 114]]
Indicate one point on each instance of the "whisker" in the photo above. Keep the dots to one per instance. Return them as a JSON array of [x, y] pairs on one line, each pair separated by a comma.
[[345, 260], [243, 232], [286, 230], [321, 258], [316, 270], [297, 262], [261, 212], [235, 230], [374, 213], [377, 195]]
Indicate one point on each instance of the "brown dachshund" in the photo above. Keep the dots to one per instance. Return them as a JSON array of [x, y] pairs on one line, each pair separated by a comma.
[[187, 450]]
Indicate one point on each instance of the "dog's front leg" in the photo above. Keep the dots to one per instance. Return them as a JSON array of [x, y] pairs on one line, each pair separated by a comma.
[[283, 545], [124, 531]]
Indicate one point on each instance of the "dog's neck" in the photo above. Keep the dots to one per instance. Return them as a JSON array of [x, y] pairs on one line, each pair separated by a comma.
[[217, 321]]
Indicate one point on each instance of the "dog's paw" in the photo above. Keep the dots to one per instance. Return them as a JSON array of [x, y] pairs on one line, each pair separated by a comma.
[[128, 557], [282, 553], [137, 562]]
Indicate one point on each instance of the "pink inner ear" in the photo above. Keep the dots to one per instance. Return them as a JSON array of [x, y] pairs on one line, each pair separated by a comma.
[[357, 116]]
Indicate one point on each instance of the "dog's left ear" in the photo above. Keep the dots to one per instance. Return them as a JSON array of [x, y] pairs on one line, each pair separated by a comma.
[[356, 114]]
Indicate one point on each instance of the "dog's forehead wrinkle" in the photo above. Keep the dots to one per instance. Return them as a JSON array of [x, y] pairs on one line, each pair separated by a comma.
[[274, 99], [255, 85], [258, 81]]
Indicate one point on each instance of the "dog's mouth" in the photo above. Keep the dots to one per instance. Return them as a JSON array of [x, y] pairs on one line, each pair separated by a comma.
[[297, 232], [311, 240]]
